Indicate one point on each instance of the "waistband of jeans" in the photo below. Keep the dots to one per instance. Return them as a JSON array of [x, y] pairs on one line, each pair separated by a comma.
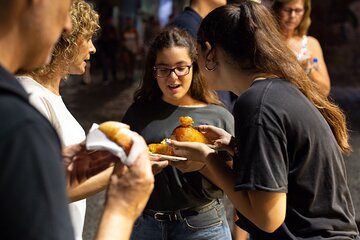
[[178, 215]]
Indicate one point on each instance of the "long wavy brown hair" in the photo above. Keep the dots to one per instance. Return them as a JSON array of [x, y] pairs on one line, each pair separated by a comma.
[[85, 23], [305, 22], [149, 90], [248, 34]]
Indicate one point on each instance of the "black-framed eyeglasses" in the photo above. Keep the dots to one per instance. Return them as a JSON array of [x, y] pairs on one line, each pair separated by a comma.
[[180, 71], [297, 11]]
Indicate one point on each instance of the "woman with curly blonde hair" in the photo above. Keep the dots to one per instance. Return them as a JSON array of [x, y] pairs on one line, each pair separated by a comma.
[[69, 57]]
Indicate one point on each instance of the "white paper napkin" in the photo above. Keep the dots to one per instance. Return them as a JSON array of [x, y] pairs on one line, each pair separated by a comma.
[[97, 140]]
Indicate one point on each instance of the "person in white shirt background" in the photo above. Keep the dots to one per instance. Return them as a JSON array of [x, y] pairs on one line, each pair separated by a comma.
[[69, 56], [294, 20]]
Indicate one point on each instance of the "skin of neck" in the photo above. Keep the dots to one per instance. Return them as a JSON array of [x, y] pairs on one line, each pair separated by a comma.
[[238, 80], [11, 48], [52, 83], [203, 7], [233, 77], [288, 34]]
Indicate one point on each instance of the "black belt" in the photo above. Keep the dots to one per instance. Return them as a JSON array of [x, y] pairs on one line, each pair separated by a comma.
[[170, 216], [179, 214]]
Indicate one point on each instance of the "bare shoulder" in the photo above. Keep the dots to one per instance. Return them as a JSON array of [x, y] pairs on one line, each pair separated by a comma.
[[313, 42]]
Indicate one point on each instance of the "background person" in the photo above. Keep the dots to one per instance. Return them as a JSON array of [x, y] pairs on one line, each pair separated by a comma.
[[130, 42], [190, 20], [184, 204], [294, 21], [108, 46], [283, 187]]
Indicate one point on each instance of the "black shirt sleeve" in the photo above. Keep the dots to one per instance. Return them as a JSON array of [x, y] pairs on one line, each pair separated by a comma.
[[262, 167], [34, 201]]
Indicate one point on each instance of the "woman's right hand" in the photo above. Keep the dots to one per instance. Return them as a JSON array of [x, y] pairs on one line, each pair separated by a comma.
[[219, 138]]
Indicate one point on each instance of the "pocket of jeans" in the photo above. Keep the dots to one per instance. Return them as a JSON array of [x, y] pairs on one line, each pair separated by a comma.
[[206, 219]]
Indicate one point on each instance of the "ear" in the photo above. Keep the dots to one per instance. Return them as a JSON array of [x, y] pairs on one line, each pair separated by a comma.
[[209, 52]]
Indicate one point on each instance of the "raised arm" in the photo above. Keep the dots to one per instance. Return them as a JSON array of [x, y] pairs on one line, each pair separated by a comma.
[[264, 209]]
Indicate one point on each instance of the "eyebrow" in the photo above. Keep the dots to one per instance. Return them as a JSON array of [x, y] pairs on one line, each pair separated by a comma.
[[167, 65]]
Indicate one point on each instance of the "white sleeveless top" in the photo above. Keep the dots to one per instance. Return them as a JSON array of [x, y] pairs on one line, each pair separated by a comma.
[[69, 130], [303, 53]]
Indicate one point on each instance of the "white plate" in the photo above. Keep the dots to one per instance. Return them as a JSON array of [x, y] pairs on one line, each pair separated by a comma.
[[168, 157]]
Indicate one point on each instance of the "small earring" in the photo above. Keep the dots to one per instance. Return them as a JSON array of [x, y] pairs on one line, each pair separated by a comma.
[[210, 68]]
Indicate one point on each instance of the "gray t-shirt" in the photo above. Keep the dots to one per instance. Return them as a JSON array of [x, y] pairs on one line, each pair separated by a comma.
[[155, 121]]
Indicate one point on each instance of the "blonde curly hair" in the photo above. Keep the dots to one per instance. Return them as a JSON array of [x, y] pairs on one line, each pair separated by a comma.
[[85, 23]]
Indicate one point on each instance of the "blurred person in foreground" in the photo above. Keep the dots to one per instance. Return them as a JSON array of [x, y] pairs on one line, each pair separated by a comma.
[[35, 204], [289, 178], [294, 21], [69, 56]]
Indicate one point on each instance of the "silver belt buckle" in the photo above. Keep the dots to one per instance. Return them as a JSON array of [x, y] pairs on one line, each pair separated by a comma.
[[157, 215], [170, 216]]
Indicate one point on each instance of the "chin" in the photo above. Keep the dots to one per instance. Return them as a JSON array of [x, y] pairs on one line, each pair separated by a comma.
[[77, 71]]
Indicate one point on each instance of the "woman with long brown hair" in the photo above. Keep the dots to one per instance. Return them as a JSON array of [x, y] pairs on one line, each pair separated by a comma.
[[184, 204], [289, 177]]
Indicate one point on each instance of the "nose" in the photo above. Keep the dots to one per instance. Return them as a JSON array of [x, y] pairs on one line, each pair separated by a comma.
[[173, 74], [292, 13], [92, 49], [68, 23]]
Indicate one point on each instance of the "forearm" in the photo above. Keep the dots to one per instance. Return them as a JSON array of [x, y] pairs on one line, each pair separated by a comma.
[[91, 186], [267, 214], [323, 82], [114, 226]]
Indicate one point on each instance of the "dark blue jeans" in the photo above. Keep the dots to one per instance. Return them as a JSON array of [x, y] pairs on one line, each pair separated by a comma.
[[209, 224]]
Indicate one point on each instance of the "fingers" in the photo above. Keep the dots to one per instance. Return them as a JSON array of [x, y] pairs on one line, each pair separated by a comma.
[[158, 166], [142, 165], [70, 151], [139, 145]]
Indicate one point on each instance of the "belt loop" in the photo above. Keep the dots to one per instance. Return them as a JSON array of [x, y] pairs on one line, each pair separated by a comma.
[[178, 215]]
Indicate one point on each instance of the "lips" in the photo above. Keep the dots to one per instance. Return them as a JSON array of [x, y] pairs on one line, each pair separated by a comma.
[[173, 86]]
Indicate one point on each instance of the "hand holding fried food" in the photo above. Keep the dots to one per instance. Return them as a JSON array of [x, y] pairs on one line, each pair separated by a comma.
[[183, 133], [117, 132]]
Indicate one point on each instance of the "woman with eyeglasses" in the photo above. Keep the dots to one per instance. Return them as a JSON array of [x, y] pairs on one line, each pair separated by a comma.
[[184, 204], [294, 20]]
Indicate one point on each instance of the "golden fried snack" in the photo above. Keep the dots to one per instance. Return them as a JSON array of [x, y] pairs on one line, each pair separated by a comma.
[[186, 133], [183, 133], [161, 148], [115, 132]]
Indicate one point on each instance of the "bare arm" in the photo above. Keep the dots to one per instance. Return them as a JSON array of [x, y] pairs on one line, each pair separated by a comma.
[[265, 209], [128, 192], [320, 74], [91, 186]]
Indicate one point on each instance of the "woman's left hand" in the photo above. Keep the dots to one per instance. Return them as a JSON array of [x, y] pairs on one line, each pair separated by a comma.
[[193, 151], [81, 164]]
